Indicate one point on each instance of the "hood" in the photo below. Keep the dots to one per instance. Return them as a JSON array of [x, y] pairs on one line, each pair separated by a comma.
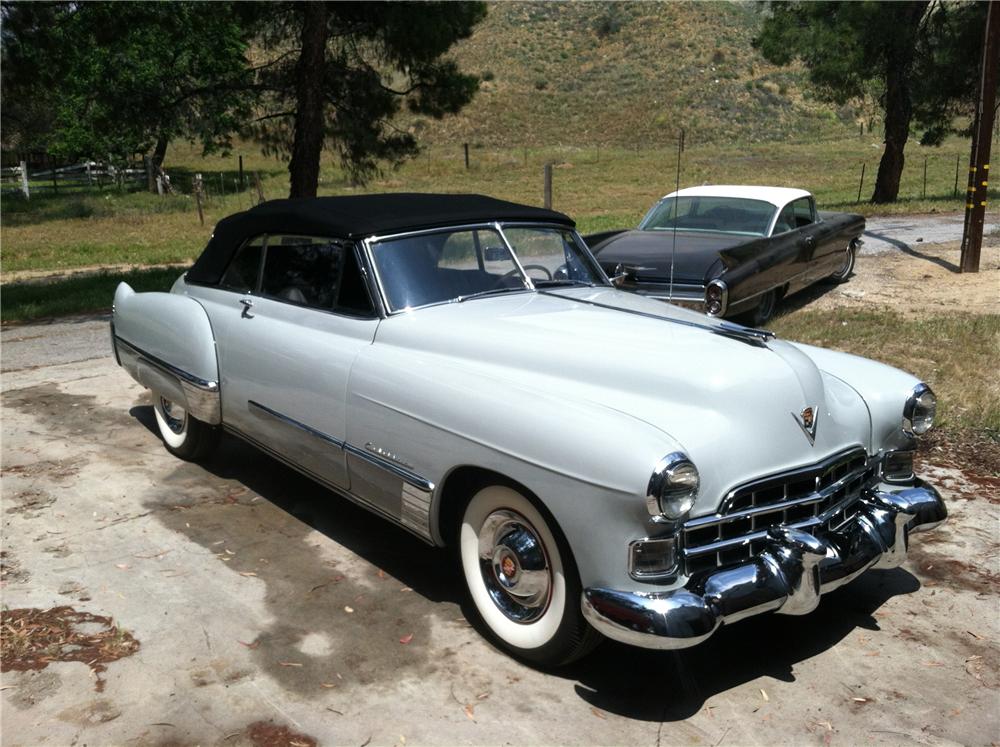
[[694, 253], [732, 406]]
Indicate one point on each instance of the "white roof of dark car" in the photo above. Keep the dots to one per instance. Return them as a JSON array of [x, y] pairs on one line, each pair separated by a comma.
[[777, 196]]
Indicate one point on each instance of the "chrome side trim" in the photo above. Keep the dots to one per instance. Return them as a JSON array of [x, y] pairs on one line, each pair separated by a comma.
[[416, 510], [412, 478], [353, 497], [415, 480], [258, 409], [200, 397], [208, 386]]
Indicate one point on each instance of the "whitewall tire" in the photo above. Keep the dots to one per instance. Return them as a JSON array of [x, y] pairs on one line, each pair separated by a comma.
[[521, 578], [183, 434]]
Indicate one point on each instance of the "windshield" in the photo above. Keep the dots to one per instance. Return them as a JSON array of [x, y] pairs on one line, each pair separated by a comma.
[[455, 265], [705, 213]]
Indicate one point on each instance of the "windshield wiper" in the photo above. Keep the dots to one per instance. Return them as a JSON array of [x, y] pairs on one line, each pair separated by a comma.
[[562, 281], [490, 292]]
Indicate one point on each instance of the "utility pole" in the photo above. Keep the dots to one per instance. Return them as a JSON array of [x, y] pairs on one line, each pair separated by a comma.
[[979, 162]]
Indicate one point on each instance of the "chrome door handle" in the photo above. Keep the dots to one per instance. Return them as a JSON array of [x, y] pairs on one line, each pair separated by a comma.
[[247, 305]]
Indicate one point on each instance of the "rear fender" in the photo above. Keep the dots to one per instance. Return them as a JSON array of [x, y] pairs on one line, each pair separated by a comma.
[[165, 342]]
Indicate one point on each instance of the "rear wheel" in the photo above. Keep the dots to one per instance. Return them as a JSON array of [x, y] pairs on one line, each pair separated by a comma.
[[183, 434], [765, 309], [522, 578], [846, 269]]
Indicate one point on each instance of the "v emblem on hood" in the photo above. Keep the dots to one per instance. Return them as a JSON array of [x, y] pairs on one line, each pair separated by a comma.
[[807, 422]]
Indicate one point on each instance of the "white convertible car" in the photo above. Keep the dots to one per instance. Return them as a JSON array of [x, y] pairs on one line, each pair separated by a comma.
[[604, 464]]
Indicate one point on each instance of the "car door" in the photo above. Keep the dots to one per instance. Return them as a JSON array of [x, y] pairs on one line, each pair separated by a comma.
[[286, 345], [819, 250]]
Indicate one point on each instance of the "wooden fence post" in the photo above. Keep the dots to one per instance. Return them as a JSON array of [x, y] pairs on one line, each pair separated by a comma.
[[243, 184], [197, 197], [466, 146], [24, 180], [260, 189], [150, 177], [862, 182], [547, 192]]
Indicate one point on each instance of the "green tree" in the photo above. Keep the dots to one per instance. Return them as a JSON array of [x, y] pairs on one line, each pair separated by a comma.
[[128, 77], [916, 55], [337, 73]]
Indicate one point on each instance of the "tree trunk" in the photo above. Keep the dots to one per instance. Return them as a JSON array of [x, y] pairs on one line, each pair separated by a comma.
[[898, 104], [160, 152], [307, 144]]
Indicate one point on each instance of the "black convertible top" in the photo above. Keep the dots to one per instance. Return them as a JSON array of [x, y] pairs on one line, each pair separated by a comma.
[[355, 217]]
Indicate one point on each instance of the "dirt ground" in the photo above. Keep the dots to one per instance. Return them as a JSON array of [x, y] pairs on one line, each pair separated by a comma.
[[151, 601], [919, 281]]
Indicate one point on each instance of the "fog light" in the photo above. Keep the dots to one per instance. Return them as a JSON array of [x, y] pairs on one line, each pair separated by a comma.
[[898, 466], [652, 558]]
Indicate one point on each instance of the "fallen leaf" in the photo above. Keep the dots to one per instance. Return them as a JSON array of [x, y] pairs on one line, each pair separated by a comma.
[[406, 638], [381, 573], [229, 552], [763, 694], [327, 685], [406, 588], [348, 609], [289, 664], [250, 646], [482, 696], [123, 566], [468, 712], [598, 713], [860, 700], [247, 573]]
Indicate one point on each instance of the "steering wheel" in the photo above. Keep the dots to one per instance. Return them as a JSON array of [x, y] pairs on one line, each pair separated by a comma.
[[515, 271]]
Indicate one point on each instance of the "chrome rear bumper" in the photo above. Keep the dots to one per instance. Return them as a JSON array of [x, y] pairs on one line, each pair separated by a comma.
[[788, 577]]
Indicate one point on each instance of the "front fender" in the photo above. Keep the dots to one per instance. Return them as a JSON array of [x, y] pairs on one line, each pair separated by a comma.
[[883, 388]]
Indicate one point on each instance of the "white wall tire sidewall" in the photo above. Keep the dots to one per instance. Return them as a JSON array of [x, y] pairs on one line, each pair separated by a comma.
[[173, 440], [525, 636]]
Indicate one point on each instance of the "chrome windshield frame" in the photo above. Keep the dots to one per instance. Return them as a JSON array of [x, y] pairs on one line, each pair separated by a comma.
[[368, 243]]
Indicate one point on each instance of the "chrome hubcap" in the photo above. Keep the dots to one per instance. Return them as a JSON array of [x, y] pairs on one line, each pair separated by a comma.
[[174, 414], [514, 566]]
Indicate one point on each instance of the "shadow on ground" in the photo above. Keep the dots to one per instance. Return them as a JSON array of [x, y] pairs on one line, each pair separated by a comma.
[[631, 682]]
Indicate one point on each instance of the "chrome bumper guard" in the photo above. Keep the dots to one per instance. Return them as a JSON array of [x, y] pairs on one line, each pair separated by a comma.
[[788, 577]]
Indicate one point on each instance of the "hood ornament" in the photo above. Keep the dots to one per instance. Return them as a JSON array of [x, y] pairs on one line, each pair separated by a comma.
[[806, 420]]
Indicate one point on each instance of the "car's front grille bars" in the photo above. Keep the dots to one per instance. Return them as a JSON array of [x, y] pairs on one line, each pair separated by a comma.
[[823, 495]]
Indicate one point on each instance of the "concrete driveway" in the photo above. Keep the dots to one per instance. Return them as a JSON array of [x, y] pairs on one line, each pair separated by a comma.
[[255, 607]]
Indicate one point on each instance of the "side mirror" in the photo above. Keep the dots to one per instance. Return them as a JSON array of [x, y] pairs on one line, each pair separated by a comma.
[[620, 276]]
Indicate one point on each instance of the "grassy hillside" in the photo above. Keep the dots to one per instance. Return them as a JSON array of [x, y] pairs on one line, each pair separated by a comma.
[[581, 73]]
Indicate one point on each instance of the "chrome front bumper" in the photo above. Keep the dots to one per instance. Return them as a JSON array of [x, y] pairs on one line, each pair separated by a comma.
[[788, 577]]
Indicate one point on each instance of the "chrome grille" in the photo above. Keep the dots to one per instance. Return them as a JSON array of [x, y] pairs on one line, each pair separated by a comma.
[[823, 495]]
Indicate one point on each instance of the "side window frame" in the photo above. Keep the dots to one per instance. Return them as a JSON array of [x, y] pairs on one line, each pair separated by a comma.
[[255, 291], [346, 246]]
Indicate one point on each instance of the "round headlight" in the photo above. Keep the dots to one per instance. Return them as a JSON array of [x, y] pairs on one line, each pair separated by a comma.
[[673, 487], [919, 410], [716, 298]]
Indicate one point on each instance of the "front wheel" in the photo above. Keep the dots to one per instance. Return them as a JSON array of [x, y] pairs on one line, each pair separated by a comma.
[[183, 434], [522, 578]]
